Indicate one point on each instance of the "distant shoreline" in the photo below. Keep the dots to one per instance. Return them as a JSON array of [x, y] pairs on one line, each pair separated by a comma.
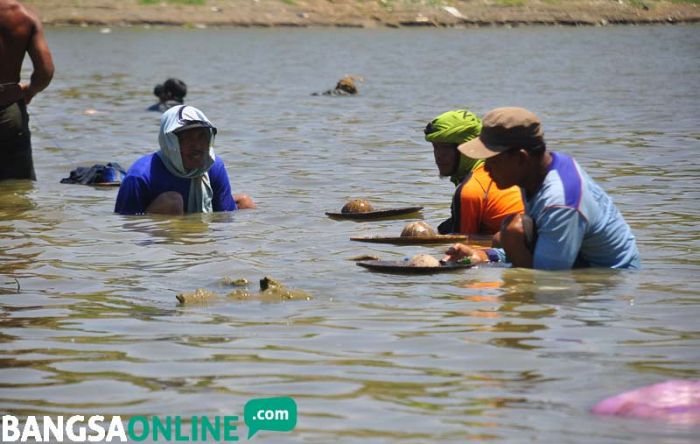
[[364, 14], [405, 25]]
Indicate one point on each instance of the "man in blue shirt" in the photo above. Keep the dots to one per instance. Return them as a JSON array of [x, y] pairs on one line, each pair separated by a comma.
[[569, 220], [185, 176]]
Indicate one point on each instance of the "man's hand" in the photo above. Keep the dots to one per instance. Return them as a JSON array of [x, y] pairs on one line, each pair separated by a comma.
[[10, 93], [460, 251], [496, 240], [243, 201], [26, 92]]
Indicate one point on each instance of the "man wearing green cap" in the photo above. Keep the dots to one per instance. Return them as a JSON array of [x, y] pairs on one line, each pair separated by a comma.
[[478, 205]]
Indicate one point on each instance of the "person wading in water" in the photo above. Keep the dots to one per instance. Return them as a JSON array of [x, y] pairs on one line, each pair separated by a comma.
[[20, 32]]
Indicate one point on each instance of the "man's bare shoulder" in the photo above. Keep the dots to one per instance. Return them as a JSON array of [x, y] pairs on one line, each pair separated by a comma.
[[16, 13]]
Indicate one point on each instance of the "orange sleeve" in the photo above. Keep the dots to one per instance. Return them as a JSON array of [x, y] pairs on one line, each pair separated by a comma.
[[484, 206], [500, 204], [471, 206]]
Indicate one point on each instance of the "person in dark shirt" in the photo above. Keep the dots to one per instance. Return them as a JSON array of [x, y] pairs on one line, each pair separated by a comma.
[[170, 93], [345, 87]]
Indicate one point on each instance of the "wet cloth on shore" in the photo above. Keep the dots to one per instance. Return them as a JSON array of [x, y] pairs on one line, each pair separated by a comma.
[[15, 142]]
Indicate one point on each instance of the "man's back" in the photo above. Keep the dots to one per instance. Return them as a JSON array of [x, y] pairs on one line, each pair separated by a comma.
[[17, 27], [577, 222], [20, 32], [483, 206]]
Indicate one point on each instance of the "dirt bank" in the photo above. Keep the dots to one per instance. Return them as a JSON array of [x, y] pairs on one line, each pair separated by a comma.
[[364, 13]]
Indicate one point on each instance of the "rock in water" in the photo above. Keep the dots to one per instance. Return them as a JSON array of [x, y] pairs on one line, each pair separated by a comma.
[[268, 282], [240, 282], [199, 296]]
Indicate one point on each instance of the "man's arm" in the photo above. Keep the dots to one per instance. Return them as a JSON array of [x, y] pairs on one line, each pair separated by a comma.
[[222, 200], [133, 196], [460, 251], [42, 62], [471, 199], [560, 232], [513, 239]]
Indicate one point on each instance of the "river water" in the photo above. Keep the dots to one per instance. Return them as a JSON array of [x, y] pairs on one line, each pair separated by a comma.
[[484, 355]]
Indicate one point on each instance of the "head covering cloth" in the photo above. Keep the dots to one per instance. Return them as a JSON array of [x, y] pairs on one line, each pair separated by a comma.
[[456, 127], [180, 118]]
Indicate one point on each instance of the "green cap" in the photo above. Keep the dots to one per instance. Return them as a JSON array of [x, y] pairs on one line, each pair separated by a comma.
[[456, 126]]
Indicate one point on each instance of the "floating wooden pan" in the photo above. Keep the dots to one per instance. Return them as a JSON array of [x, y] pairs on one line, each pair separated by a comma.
[[402, 267], [377, 214], [413, 240]]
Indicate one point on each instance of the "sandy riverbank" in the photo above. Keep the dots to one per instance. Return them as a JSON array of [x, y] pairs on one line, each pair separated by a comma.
[[367, 13]]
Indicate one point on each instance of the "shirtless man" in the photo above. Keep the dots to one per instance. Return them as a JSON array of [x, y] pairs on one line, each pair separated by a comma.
[[20, 32]]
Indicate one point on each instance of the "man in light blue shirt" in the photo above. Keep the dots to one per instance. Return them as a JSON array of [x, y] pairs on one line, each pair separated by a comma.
[[569, 220]]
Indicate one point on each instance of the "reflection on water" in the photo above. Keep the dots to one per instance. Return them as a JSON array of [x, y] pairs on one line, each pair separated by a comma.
[[16, 199], [490, 354]]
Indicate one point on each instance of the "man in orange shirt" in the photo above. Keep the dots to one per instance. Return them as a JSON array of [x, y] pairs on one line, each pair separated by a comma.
[[478, 206]]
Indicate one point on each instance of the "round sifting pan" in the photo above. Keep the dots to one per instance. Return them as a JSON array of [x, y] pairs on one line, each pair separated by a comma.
[[413, 240], [402, 267], [376, 214]]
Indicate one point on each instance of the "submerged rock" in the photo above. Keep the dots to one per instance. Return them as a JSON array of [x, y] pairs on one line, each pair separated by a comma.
[[199, 296], [240, 282], [268, 282], [281, 293], [271, 290], [239, 294]]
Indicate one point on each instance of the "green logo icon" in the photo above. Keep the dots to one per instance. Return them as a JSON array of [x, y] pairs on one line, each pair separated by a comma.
[[275, 414]]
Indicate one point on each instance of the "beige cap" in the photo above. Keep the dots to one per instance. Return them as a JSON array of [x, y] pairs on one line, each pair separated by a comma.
[[504, 129]]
